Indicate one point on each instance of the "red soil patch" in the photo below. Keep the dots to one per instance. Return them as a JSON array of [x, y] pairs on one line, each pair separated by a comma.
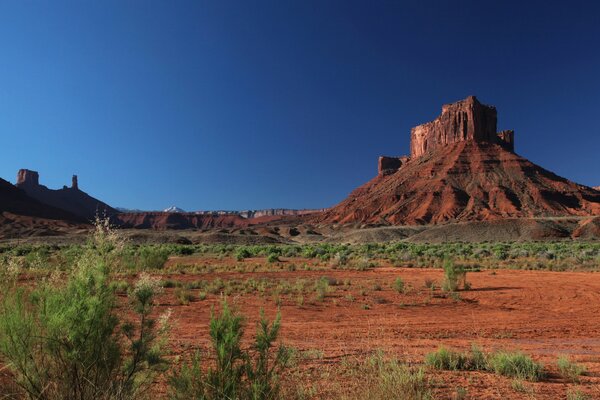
[[544, 314]]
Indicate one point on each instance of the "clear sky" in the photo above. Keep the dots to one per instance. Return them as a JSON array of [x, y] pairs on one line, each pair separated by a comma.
[[259, 104]]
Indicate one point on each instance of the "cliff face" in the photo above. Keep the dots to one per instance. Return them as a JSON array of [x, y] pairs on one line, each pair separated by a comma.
[[70, 199], [168, 220], [464, 120]]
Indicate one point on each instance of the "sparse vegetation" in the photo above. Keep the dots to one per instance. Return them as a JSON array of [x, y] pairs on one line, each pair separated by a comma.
[[570, 370], [576, 394], [515, 365], [329, 278], [383, 379]]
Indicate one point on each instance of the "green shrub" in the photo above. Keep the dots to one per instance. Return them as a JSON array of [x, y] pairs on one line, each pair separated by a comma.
[[64, 339], [236, 374], [399, 285], [570, 370], [454, 276], [272, 258], [242, 253], [152, 257], [445, 359], [516, 365]]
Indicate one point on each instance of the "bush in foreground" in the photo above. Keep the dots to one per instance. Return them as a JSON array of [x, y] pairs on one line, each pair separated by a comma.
[[64, 339], [236, 374]]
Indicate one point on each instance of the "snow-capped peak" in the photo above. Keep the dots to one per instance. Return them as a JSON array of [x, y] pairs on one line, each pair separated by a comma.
[[173, 209]]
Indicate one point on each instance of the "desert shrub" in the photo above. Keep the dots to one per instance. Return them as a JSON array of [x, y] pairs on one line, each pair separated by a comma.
[[383, 379], [570, 370], [272, 258], [242, 253], [236, 373], [152, 257], [184, 296], [64, 338], [399, 285], [516, 365], [339, 260], [445, 359], [321, 288], [454, 276]]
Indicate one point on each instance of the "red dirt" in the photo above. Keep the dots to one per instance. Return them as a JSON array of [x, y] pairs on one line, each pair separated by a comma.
[[467, 181], [545, 314]]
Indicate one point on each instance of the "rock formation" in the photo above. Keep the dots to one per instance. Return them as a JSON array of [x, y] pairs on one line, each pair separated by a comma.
[[389, 165], [460, 169], [464, 120], [70, 199], [597, 187], [22, 215], [27, 178]]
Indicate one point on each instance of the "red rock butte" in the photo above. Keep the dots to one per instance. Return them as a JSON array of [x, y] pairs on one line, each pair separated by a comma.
[[464, 120], [461, 169]]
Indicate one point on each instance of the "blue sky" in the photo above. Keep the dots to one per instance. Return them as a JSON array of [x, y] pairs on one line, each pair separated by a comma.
[[258, 104]]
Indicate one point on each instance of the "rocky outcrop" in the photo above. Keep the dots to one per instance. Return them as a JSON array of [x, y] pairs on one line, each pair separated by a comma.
[[389, 165], [27, 178], [70, 199], [461, 121], [506, 139]]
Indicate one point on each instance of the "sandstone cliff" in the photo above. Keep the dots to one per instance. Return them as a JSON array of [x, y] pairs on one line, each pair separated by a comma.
[[464, 120], [70, 199]]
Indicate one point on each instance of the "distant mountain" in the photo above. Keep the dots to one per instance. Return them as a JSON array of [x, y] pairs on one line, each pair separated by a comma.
[[597, 187], [15, 201], [24, 216], [70, 199], [174, 209], [128, 210]]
